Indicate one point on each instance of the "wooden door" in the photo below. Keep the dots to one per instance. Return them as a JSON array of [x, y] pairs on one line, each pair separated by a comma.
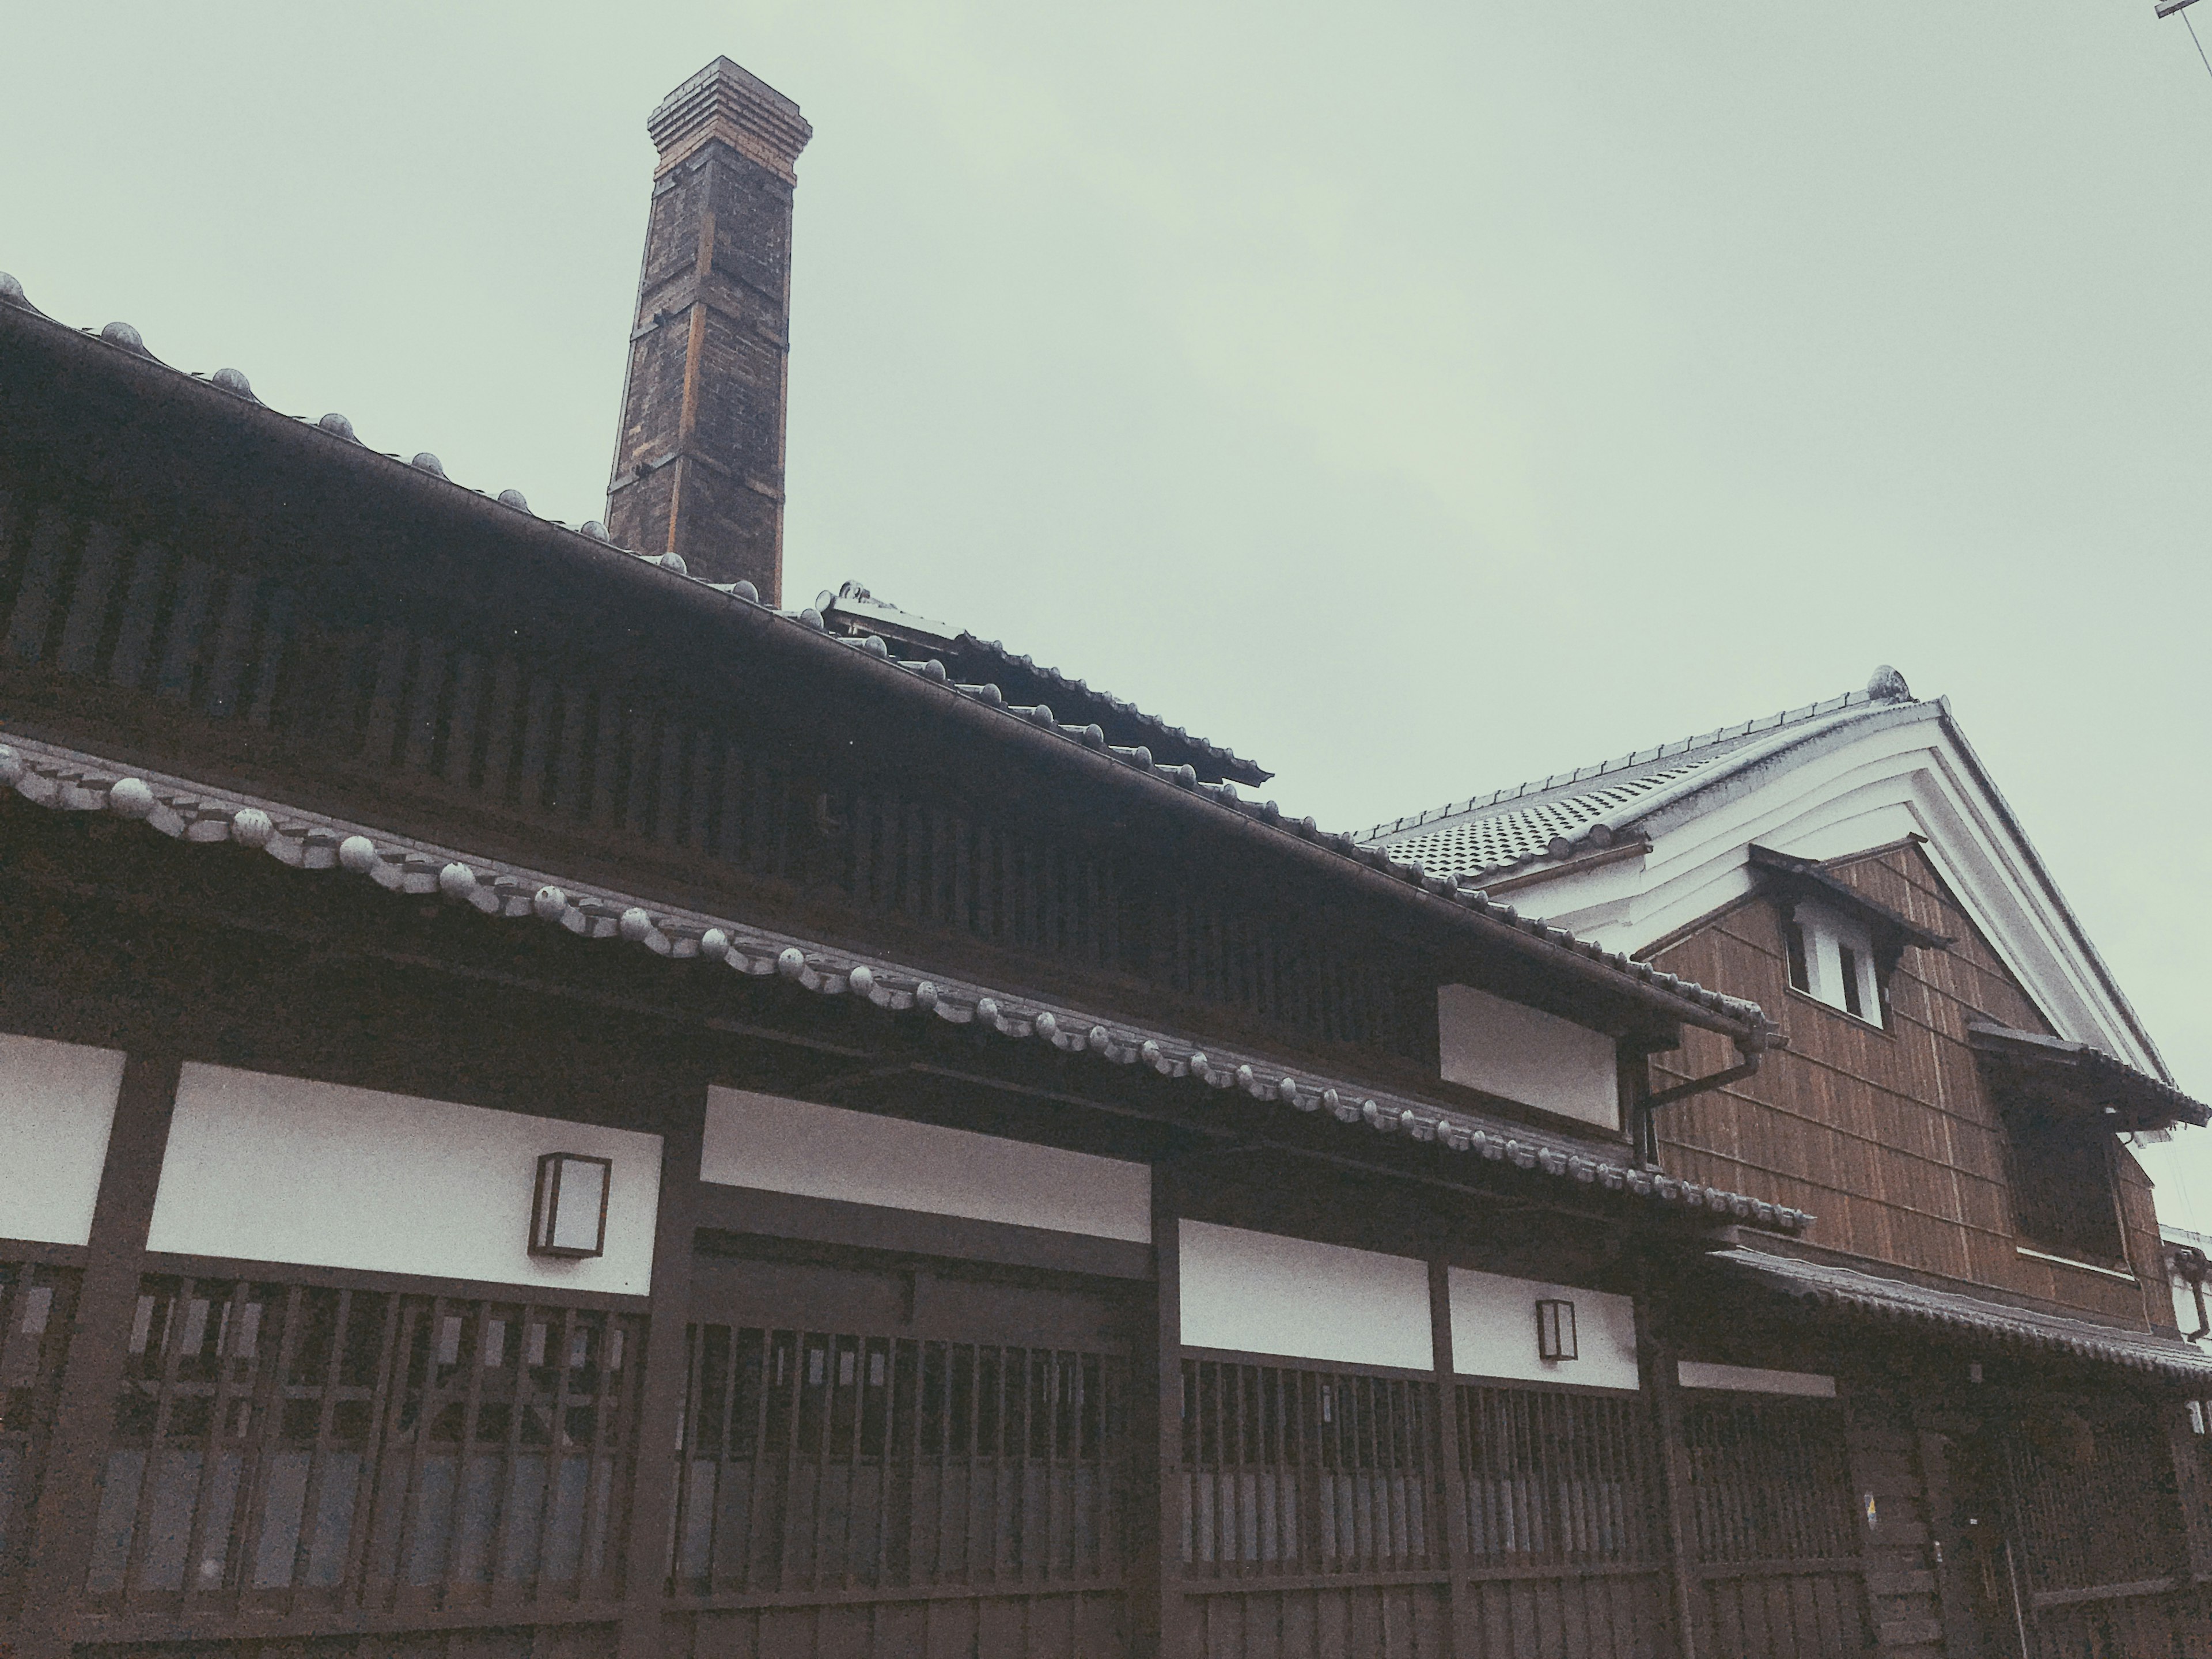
[[1777, 1538], [910, 1459], [1977, 1572]]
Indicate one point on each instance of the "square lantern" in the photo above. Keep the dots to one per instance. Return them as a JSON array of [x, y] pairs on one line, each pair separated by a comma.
[[1555, 1330], [568, 1215]]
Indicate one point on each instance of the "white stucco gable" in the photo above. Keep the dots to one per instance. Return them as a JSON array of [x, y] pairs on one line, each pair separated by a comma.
[[1826, 783]]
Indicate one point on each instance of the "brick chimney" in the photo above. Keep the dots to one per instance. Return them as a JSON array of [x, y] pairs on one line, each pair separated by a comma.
[[699, 459]]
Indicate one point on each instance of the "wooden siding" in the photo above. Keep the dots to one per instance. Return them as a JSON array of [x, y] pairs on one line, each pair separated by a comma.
[[1888, 1136], [465, 716]]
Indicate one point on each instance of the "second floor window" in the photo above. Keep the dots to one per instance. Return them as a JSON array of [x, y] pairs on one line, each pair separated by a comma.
[[1832, 960], [2061, 1184]]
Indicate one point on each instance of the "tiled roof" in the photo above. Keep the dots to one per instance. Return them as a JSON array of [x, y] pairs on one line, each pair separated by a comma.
[[1678, 997], [63, 779], [2098, 1079], [852, 609], [1474, 845], [1895, 1301], [1593, 805]]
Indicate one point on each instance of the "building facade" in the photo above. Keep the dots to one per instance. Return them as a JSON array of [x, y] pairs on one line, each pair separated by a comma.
[[1956, 1098], [552, 1104]]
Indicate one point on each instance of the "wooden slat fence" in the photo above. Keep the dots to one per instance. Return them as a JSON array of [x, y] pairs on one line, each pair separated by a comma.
[[1777, 1534], [1309, 1511], [38, 1304], [1566, 1538], [2103, 1556], [288, 1449], [899, 1495]]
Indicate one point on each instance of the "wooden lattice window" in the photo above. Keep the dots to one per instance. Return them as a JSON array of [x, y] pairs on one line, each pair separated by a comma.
[[1552, 1476], [820, 1460], [37, 1306], [1300, 1469], [286, 1447], [1769, 1479], [2093, 1494]]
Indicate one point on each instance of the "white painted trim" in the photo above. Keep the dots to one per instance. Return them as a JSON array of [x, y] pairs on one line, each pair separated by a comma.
[[56, 1108], [263, 1168], [1749, 1379], [863, 1157], [1262, 1293], [1522, 1054], [1895, 779], [1493, 1327], [2083, 1266]]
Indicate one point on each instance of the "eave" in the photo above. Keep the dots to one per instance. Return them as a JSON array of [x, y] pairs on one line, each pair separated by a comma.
[[2077, 1079], [1917, 1309], [136, 393], [1799, 878], [65, 781]]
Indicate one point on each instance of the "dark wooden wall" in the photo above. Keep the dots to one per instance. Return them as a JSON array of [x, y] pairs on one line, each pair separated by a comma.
[[1888, 1136], [479, 724]]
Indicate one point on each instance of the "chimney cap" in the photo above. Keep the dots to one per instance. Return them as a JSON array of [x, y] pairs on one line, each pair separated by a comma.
[[725, 101]]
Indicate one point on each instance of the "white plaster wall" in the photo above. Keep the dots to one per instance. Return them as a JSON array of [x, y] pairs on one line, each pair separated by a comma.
[[1494, 1332], [1906, 776], [1747, 1379], [827, 1152], [1827, 931], [279, 1169], [1523, 1053], [57, 1104], [2184, 1305], [1260, 1293]]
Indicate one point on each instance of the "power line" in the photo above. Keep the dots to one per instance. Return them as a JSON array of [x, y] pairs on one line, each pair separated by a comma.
[[2207, 62]]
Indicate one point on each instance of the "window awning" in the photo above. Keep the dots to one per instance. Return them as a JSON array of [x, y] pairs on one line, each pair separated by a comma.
[[1892, 930], [2065, 1080], [1848, 1292]]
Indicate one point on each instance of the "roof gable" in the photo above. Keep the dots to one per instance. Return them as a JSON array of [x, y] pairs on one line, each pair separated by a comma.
[[1519, 823], [1676, 825]]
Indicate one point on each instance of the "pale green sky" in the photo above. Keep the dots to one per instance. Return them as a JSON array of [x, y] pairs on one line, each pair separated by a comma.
[[1419, 398]]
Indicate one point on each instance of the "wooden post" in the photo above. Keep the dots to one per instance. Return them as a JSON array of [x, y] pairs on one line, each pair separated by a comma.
[[1657, 1359], [1949, 1554], [63, 1519], [1159, 1610], [1451, 1483], [653, 1483]]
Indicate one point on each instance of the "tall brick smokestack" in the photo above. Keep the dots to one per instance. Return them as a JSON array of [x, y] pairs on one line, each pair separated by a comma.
[[699, 459]]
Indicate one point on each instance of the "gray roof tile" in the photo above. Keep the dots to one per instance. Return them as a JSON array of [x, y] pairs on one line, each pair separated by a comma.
[[1896, 1302], [1551, 816]]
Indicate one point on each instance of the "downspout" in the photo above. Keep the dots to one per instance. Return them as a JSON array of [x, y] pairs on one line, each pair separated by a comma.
[[1750, 1052], [2190, 1262]]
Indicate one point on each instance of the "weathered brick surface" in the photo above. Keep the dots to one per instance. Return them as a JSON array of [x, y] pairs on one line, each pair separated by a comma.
[[699, 457]]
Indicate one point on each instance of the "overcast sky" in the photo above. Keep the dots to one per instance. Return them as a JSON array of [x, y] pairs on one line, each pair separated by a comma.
[[1418, 398]]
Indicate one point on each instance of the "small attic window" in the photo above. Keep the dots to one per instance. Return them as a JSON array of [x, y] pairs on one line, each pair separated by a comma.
[[1801, 976], [1832, 960], [1840, 945]]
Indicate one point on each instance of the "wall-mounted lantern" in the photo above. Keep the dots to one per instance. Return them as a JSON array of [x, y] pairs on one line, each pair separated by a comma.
[[1555, 1330], [568, 1215]]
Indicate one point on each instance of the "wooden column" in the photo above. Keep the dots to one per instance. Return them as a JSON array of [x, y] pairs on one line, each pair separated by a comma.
[[1451, 1480], [1950, 1554], [1656, 1359], [652, 1487], [1159, 1612], [63, 1519]]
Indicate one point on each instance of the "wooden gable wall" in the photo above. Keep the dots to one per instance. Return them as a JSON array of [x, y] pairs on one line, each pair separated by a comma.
[[1889, 1137]]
